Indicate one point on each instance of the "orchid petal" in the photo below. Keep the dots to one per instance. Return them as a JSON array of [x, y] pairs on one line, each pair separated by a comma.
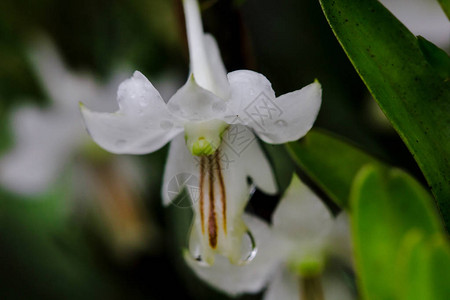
[[142, 124], [224, 195], [250, 278], [275, 120], [219, 73], [194, 103], [41, 149], [180, 164], [246, 87], [241, 143], [299, 111], [137, 95], [206, 63], [284, 285], [302, 216]]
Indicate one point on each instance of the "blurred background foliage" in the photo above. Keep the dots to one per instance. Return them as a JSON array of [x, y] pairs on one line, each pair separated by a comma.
[[45, 250]]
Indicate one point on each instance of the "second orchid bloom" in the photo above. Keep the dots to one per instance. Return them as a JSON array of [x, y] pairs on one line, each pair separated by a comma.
[[211, 122]]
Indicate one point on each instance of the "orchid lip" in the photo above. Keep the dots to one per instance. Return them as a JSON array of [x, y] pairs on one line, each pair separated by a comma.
[[216, 230]]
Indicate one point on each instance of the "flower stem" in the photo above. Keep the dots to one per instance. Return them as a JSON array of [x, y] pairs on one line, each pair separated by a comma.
[[311, 288]]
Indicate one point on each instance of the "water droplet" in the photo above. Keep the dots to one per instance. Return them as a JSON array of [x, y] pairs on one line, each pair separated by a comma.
[[166, 124], [219, 106], [195, 249], [281, 123], [248, 249], [252, 189], [252, 92], [120, 143], [144, 102]]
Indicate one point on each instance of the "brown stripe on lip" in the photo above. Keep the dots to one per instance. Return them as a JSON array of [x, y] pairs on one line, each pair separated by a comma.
[[202, 195], [223, 196], [212, 223]]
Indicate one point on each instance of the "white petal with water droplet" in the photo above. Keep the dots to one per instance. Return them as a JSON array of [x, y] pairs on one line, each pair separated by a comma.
[[250, 278], [246, 88], [298, 111], [128, 134], [194, 103], [275, 120], [142, 125]]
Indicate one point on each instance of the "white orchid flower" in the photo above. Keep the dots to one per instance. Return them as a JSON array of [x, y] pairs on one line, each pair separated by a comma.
[[312, 236], [294, 251], [210, 121], [46, 139]]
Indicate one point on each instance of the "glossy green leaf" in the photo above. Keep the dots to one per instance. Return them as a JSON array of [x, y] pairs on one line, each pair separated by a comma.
[[445, 4], [386, 205], [436, 57], [413, 96], [282, 165], [330, 162], [423, 267]]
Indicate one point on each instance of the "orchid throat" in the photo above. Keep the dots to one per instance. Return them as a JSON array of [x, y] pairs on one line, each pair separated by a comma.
[[204, 138]]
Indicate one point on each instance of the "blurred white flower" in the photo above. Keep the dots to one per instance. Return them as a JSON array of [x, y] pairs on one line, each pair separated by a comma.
[[293, 252], [422, 17], [210, 122], [46, 139], [50, 139]]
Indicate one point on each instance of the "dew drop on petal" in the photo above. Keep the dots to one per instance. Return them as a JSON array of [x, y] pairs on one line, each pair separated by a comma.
[[195, 250], [281, 123], [143, 102], [252, 189], [166, 124], [252, 92], [248, 249], [121, 143]]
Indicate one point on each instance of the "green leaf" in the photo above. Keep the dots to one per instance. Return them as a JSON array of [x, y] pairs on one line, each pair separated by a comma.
[[436, 57], [445, 4], [283, 167], [330, 162], [386, 205], [413, 96], [423, 266]]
